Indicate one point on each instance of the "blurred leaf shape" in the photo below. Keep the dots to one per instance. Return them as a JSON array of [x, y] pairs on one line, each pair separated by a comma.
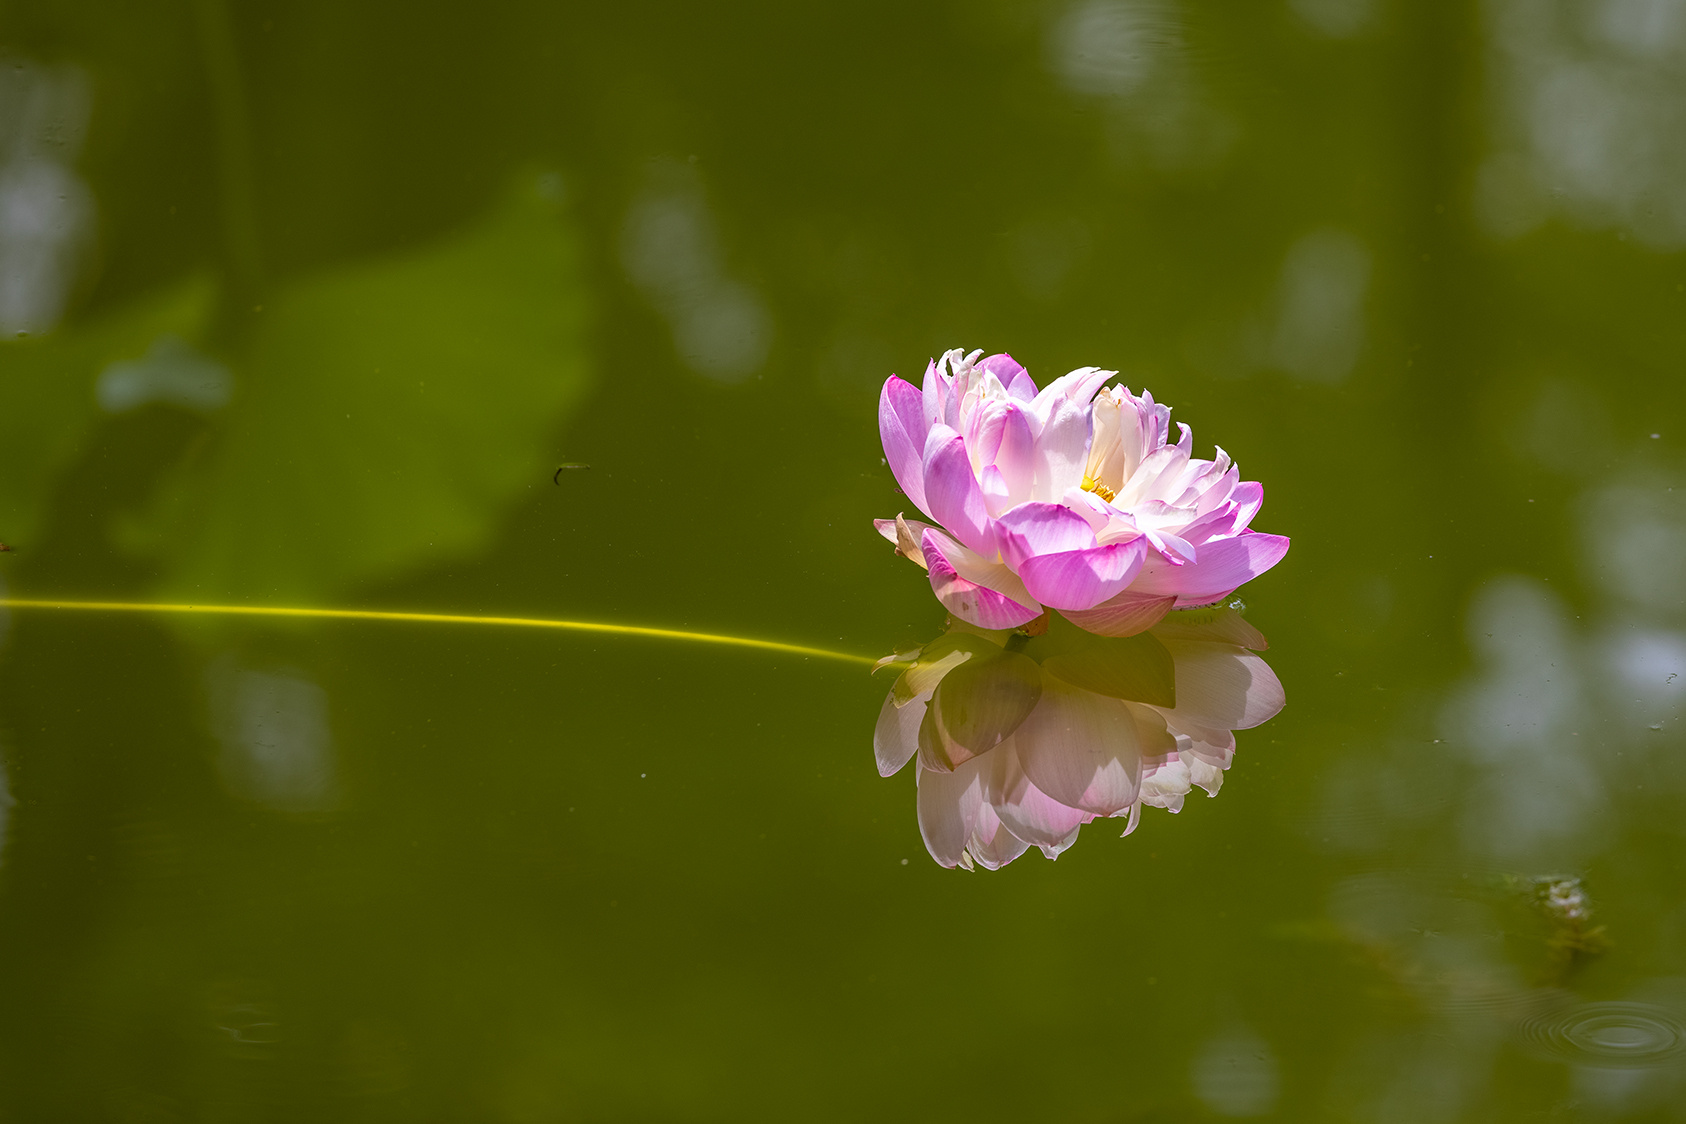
[[47, 402], [388, 415]]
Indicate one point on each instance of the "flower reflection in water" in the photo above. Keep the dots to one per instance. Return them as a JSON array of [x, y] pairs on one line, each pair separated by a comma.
[[1022, 739]]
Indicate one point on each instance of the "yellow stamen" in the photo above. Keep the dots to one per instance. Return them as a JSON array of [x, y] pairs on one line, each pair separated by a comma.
[[1090, 484], [431, 618]]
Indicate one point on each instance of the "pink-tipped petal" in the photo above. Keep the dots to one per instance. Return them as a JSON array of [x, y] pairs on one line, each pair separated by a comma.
[[1224, 565], [949, 804], [958, 820], [1031, 529], [1126, 614], [903, 429], [1173, 548], [1081, 749], [1222, 686], [1002, 366], [1081, 579], [992, 845], [955, 497], [1034, 816], [1109, 524], [1217, 524], [1248, 497], [897, 735], [1015, 457], [986, 594], [997, 496]]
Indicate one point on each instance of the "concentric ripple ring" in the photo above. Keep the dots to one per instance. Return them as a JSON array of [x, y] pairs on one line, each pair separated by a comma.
[[1613, 1035]]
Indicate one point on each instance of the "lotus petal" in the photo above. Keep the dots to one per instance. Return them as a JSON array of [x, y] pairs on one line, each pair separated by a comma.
[[1202, 772], [1165, 781], [896, 737], [903, 429], [1223, 686], [1126, 614], [999, 846], [1079, 580], [1033, 529], [1248, 497], [1081, 749], [905, 534], [986, 594], [935, 660], [1062, 448], [1034, 816], [979, 704], [1015, 457], [1224, 565], [951, 488], [1152, 735], [934, 393], [1005, 368], [949, 804]]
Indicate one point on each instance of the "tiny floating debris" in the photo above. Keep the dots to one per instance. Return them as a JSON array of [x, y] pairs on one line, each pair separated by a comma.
[[7, 549], [556, 477], [1564, 902], [1571, 937]]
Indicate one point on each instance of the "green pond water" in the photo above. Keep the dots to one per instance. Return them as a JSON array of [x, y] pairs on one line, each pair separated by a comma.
[[305, 304]]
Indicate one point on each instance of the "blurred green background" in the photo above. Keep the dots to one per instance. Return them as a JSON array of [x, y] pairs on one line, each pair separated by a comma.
[[304, 304]]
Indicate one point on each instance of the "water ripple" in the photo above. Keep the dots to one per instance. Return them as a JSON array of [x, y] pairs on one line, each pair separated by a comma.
[[1609, 1035]]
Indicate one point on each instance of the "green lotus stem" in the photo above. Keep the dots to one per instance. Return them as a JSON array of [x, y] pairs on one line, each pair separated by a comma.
[[235, 158], [430, 618]]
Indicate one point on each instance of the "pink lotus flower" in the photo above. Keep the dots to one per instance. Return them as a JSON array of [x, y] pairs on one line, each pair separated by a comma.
[[1070, 498], [1021, 741]]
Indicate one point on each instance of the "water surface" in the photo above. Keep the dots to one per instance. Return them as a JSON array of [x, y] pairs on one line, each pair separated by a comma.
[[305, 305]]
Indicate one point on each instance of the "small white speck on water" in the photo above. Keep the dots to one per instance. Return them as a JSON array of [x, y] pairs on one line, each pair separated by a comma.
[[904, 862], [643, 774], [1656, 436]]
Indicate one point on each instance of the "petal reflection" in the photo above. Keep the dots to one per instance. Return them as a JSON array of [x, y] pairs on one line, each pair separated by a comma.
[[1023, 738]]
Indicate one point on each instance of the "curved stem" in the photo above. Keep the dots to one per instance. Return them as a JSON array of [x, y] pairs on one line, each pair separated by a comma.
[[430, 618], [234, 145]]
